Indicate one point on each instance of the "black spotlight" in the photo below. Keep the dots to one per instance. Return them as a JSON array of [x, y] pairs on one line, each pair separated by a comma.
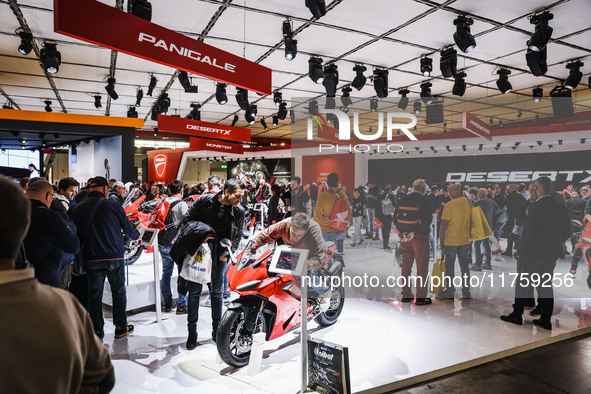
[[449, 62], [574, 76], [416, 107], [291, 45], [186, 83], [50, 57], [331, 79], [282, 111], [140, 8], [373, 104], [155, 131], [110, 88], [153, 82], [163, 103], [503, 82], [26, 45], [195, 113], [277, 98], [48, 106], [264, 124], [562, 102], [155, 112], [459, 85], [315, 69], [138, 97], [426, 66], [403, 103], [537, 95], [242, 98], [346, 97], [220, 93], [97, 102], [426, 95], [380, 82], [235, 120], [463, 38], [131, 112], [275, 120], [250, 113], [359, 80], [8, 105], [330, 103], [536, 61], [542, 33], [313, 106], [316, 7]]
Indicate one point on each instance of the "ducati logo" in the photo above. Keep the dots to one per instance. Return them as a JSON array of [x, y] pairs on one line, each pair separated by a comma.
[[160, 164]]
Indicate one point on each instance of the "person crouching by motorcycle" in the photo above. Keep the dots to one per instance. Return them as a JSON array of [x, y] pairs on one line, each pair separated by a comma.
[[221, 211]]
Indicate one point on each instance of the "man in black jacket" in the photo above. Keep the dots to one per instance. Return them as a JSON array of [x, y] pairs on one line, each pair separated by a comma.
[[223, 212], [516, 206], [546, 229], [103, 251], [384, 214]]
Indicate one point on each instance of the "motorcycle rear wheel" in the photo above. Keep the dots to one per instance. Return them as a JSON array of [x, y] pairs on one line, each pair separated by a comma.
[[337, 301], [232, 340]]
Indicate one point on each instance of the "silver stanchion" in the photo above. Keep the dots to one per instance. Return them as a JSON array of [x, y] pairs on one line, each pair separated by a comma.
[[304, 335], [156, 259]]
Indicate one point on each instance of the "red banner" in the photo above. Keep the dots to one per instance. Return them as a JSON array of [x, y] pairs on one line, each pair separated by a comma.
[[476, 126], [217, 146], [106, 26], [197, 128]]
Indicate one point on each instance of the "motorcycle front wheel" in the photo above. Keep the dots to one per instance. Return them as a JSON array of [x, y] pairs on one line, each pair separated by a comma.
[[233, 341], [132, 253], [337, 301]]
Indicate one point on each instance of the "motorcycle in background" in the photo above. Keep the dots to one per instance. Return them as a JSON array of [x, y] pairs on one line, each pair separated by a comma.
[[585, 245], [133, 250]]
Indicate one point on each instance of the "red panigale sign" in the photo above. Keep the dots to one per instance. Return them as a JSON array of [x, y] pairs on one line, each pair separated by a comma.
[[160, 164], [476, 126], [106, 26], [218, 146], [197, 128]]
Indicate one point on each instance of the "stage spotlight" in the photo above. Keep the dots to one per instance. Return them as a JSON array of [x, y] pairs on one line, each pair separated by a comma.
[[330, 103], [313, 106], [346, 97], [138, 97], [140, 8], [291, 45], [186, 83], [360, 79], [26, 45], [463, 38], [242, 98], [131, 112], [8, 105], [220, 93], [542, 33], [537, 95], [403, 102], [503, 82], [195, 113], [163, 103], [155, 112], [416, 107], [155, 131], [153, 82], [282, 111], [250, 113], [459, 85], [316, 7], [562, 102], [426, 95], [275, 120], [277, 98], [235, 120], [97, 102], [315, 69], [331, 79], [50, 57], [426, 66], [536, 61], [574, 76], [380, 82], [373, 104], [264, 124], [110, 88], [449, 62], [48, 106]]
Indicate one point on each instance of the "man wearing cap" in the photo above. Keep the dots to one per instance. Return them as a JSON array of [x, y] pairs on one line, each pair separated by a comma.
[[103, 251]]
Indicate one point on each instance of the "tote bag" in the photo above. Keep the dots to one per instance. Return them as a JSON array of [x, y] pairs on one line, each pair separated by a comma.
[[197, 268], [437, 275], [479, 228]]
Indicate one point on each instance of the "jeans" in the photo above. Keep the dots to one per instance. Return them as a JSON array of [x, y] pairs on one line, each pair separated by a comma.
[[371, 215], [386, 227], [115, 272], [486, 244], [338, 237], [575, 231], [417, 249], [215, 289], [167, 268], [463, 254], [357, 224], [526, 266]]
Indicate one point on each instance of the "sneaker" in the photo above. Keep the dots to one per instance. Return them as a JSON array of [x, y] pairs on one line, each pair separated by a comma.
[[423, 301], [191, 340], [475, 267], [227, 301], [535, 312], [168, 307], [543, 323], [486, 266], [182, 310], [206, 303], [407, 299], [573, 268], [512, 318], [120, 332], [100, 334]]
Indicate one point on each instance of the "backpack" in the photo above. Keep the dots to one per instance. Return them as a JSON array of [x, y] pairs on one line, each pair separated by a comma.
[[160, 219], [339, 218], [387, 206], [408, 215]]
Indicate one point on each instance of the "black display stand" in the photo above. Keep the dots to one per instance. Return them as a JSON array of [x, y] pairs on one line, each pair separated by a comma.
[[328, 367]]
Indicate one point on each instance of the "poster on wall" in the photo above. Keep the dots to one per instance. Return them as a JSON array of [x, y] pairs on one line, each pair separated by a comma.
[[272, 170], [328, 368], [81, 159], [107, 158]]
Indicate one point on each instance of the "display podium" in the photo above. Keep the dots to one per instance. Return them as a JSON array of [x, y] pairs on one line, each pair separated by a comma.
[[149, 237]]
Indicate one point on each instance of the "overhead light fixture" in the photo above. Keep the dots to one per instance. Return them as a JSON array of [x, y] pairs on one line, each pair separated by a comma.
[[163, 103], [275, 120], [537, 117], [562, 102], [583, 140], [426, 66], [97, 101], [539, 143], [542, 33], [480, 147], [291, 45], [140, 8], [155, 131], [537, 95], [360, 79], [186, 83], [195, 113], [403, 102], [50, 57], [277, 98], [56, 136], [346, 97], [242, 98], [426, 95], [373, 104], [153, 82], [498, 146], [317, 8], [235, 120], [264, 124], [48, 106], [331, 79], [463, 38], [138, 97], [220, 93], [503, 82], [550, 147], [250, 113], [315, 70], [380, 82], [536, 61], [313, 106], [459, 87], [110, 88], [574, 76], [155, 111], [131, 112], [449, 62], [416, 107], [8, 105], [519, 114], [330, 103], [26, 45], [282, 111]]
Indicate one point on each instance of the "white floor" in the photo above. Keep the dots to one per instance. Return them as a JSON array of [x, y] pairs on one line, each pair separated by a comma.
[[387, 340]]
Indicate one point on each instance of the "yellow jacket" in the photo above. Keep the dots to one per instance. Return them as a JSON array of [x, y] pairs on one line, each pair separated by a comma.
[[325, 205]]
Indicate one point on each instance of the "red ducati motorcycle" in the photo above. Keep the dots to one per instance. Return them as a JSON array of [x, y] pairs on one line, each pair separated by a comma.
[[585, 245], [269, 303]]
